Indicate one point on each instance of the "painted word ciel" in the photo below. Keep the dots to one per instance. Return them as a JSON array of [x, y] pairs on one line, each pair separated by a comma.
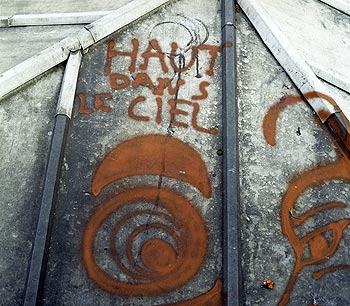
[[139, 76]]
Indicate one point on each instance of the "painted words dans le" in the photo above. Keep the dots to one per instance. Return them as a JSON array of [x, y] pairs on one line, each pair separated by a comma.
[[120, 81]]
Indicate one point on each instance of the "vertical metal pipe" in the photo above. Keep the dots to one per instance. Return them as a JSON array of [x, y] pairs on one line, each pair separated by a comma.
[[51, 180], [231, 207]]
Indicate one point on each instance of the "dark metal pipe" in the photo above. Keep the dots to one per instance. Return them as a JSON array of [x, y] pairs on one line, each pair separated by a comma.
[[42, 235], [51, 179], [232, 281]]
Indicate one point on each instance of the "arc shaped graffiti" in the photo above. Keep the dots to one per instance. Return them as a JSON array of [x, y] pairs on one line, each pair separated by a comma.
[[165, 261], [316, 241], [153, 155]]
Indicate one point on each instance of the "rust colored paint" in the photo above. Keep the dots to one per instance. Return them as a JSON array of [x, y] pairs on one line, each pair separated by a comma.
[[166, 82], [173, 53], [159, 110], [194, 121], [167, 268], [214, 52], [167, 61], [344, 135], [83, 109], [323, 272], [131, 107], [112, 53], [204, 93], [119, 81], [320, 249], [153, 155], [211, 298], [176, 111], [143, 79], [99, 102], [195, 125], [161, 266], [302, 218], [270, 119], [153, 45]]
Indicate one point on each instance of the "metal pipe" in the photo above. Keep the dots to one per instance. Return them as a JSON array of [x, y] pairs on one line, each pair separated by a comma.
[[232, 279], [51, 180]]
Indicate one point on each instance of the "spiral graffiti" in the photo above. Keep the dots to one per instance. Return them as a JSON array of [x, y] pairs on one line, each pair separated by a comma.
[[163, 266], [157, 238]]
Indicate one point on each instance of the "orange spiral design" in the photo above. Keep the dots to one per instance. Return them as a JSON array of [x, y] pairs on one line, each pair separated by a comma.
[[164, 266]]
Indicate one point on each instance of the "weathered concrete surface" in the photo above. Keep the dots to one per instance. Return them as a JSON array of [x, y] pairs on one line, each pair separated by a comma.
[[26, 125], [25, 42], [104, 124], [97, 129], [20, 43], [320, 34], [9, 7], [266, 172]]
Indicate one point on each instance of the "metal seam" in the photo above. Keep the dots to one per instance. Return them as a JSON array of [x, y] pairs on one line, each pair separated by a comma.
[[228, 24], [230, 205]]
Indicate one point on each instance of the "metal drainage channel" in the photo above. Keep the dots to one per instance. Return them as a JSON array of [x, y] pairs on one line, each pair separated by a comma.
[[232, 279]]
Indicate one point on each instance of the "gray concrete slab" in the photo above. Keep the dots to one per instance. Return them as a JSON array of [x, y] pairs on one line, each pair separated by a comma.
[[21, 43], [9, 7], [282, 175], [107, 118], [320, 33], [25, 131], [165, 142]]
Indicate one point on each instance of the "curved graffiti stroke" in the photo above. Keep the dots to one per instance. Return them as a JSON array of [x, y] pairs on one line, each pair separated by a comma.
[[157, 237], [270, 119], [211, 298], [153, 155], [165, 267], [319, 247]]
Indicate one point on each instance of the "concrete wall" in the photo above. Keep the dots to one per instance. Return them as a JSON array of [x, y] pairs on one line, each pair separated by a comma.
[[138, 213], [26, 128], [144, 142], [294, 188]]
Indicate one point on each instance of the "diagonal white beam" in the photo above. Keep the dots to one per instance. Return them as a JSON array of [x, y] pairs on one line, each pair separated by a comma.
[[330, 75], [69, 84], [292, 62], [340, 5], [51, 19], [90, 34]]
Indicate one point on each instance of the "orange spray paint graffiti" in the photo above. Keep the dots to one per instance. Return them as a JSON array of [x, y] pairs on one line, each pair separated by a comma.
[[120, 81], [320, 248], [161, 265], [165, 268]]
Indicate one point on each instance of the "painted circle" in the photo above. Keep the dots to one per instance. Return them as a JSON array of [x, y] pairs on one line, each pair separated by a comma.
[[172, 268], [158, 255]]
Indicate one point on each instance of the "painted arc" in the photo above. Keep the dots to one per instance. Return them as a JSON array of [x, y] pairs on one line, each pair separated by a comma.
[[211, 298], [319, 247], [173, 267], [153, 155]]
